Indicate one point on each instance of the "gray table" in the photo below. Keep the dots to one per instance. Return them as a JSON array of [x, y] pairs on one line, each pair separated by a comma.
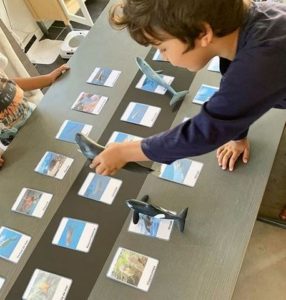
[[204, 261]]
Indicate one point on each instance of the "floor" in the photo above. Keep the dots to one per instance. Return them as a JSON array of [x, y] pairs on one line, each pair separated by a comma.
[[263, 272]]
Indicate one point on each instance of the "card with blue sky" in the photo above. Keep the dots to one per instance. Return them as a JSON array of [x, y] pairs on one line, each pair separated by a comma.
[[158, 56], [182, 171], [214, 65], [204, 93], [104, 76], [75, 234], [120, 137], [132, 268], [69, 129], [32, 202], [48, 286], [153, 227], [12, 244], [89, 103], [141, 114], [54, 165], [152, 86], [100, 188]]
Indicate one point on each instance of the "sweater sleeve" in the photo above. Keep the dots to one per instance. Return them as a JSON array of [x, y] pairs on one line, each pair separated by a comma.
[[252, 85]]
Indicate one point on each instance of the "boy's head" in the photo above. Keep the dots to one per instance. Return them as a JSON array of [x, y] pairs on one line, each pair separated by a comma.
[[156, 21]]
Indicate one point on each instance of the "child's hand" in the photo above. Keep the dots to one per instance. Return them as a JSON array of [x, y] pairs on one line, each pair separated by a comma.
[[228, 154], [54, 75], [1, 161]]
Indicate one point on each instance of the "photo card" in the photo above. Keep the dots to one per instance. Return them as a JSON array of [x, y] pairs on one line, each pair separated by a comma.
[[54, 165], [75, 234], [100, 188], [46, 285], [132, 268], [120, 137], [12, 244], [153, 227], [69, 129], [158, 56], [32, 202], [182, 171], [103, 76], [89, 103], [214, 65], [204, 93], [2, 281], [149, 85], [141, 114]]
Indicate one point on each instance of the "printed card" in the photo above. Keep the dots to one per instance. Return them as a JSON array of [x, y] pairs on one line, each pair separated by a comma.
[[48, 286], [54, 165], [120, 137], [183, 171], [214, 65], [12, 244], [132, 268], [75, 234], [158, 56], [32, 203], [204, 93], [89, 103], [104, 76], [150, 85], [154, 227], [141, 114], [69, 129], [100, 188], [2, 280]]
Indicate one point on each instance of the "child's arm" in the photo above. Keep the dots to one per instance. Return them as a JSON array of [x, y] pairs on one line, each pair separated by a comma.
[[1, 161], [228, 153], [116, 155], [38, 82]]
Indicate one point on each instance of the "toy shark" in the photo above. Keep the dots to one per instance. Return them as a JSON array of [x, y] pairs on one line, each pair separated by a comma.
[[153, 75], [154, 211], [90, 149]]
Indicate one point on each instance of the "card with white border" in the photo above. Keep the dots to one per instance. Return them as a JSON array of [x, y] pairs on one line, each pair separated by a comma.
[[141, 114], [204, 93], [32, 202], [120, 137], [214, 64], [89, 103], [75, 234], [69, 129], [48, 286], [103, 76], [132, 268], [158, 56], [12, 244], [54, 165], [153, 227], [152, 86], [2, 280], [100, 188], [182, 171]]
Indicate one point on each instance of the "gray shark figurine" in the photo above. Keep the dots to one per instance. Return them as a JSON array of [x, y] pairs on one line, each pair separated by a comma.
[[154, 211], [151, 74], [90, 149]]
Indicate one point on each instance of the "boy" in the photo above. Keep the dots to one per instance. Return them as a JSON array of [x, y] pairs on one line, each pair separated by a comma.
[[250, 39], [14, 108]]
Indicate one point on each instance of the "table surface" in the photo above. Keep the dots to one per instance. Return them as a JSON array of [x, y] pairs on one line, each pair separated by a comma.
[[201, 263]]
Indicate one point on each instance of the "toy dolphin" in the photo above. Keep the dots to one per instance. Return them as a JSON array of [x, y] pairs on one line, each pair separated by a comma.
[[141, 206], [90, 149], [151, 74]]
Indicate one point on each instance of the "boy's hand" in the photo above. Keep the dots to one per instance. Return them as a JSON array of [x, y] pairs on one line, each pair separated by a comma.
[[110, 160], [228, 154], [1, 161], [55, 74]]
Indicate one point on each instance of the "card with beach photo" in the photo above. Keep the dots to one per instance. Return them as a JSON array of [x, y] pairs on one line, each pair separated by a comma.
[[89, 103]]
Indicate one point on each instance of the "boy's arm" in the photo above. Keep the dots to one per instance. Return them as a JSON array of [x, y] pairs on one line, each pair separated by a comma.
[[38, 82]]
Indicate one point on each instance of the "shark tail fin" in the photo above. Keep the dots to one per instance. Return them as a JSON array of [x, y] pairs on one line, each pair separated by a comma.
[[179, 96], [182, 218]]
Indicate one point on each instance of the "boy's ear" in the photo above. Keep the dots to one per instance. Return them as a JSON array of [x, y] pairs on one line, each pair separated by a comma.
[[206, 37]]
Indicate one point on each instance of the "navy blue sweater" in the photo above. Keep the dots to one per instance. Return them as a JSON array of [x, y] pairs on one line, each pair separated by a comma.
[[253, 83]]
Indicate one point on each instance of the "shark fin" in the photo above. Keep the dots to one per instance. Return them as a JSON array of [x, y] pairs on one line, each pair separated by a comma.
[[135, 217], [181, 218]]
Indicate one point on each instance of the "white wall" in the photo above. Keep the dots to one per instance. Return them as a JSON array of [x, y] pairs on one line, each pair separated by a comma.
[[19, 21]]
